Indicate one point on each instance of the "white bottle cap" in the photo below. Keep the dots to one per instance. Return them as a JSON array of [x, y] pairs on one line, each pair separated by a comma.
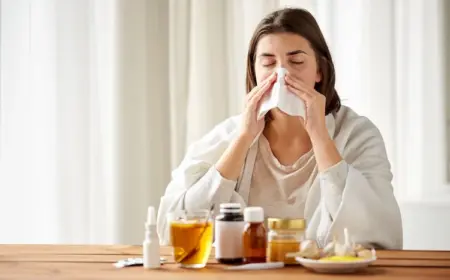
[[230, 205], [151, 216], [254, 214], [230, 208]]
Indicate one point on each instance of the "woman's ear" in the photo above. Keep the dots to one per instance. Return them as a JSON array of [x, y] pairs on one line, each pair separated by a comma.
[[320, 66], [318, 76]]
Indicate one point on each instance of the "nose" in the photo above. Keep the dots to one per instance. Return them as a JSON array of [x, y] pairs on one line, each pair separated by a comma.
[[281, 65], [281, 72]]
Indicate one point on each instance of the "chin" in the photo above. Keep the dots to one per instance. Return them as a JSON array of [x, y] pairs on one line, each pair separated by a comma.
[[277, 113]]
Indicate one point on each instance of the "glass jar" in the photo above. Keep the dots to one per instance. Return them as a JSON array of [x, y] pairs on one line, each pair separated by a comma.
[[285, 236]]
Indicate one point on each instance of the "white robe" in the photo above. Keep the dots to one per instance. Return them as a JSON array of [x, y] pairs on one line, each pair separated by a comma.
[[357, 194]]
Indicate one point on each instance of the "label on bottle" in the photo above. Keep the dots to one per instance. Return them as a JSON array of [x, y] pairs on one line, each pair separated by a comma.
[[228, 239]]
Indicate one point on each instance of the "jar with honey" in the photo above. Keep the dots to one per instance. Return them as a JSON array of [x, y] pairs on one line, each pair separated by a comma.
[[285, 236]]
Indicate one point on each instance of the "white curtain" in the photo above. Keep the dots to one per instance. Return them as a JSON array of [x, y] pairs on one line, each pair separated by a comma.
[[389, 57], [100, 98]]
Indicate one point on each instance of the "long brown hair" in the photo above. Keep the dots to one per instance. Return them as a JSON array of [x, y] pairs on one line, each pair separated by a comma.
[[300, 22]]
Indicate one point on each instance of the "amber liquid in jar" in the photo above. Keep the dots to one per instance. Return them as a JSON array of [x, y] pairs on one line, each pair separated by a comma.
[[284, 237], [276, 252]]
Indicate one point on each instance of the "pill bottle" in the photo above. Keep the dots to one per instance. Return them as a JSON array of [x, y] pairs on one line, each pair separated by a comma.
[[229, 225]]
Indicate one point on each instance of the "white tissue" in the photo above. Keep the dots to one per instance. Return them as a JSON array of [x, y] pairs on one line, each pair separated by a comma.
[[280, 97]]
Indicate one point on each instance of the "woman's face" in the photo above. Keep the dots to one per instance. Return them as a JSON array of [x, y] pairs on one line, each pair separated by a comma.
[[289, 51]]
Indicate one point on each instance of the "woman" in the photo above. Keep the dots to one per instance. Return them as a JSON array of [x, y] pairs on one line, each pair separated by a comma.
[[329, 167]]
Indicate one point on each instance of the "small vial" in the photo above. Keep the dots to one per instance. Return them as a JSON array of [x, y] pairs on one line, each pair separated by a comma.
[[254, 238]]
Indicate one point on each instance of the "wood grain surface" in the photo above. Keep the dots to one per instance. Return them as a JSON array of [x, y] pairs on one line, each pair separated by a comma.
[[95, 262]]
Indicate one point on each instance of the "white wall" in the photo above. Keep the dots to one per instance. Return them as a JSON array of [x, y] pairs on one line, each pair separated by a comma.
[[447, 85], [426, 225], [426, 220], [391, 69], [411, 93]]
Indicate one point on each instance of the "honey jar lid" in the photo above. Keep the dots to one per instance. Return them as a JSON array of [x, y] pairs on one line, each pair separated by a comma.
[[294, 224]]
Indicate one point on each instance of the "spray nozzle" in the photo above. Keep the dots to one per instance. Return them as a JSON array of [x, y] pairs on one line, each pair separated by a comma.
[[151, 216]]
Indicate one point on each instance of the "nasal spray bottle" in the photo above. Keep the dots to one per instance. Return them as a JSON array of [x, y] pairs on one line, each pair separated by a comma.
[[150, 245]]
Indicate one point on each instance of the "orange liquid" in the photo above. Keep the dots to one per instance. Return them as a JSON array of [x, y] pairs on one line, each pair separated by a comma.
[[277, 249], [254, 243], [186, 237]]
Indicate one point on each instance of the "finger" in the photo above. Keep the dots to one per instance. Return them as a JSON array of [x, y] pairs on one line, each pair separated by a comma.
[[300, 93], [294, 80], [256, 89], [261, 92], [297, 84], [256, 110], [269, 80]]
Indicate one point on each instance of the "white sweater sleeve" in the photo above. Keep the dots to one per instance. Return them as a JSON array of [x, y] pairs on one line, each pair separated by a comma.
[[357, 192], [195, 183]]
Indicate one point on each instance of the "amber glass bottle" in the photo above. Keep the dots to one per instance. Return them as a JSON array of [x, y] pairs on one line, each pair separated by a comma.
[[254, 238]]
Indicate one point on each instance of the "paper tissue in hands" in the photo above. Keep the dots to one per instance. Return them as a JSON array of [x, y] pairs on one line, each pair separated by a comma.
[[280, 97]]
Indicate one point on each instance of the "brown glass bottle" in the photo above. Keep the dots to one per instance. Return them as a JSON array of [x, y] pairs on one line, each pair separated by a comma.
[[254, 238]]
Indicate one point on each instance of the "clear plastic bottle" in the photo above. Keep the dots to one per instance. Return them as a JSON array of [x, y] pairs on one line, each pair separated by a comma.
[[254, 237]]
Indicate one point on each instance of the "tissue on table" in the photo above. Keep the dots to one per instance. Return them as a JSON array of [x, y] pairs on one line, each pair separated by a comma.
[[280, 97]]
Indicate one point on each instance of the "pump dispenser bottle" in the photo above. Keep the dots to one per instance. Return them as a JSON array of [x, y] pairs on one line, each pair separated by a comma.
[[150, 245]]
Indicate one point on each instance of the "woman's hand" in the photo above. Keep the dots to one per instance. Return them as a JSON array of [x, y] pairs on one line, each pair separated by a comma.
[[233, 159], [325, 150], [251, 126], [314, 120]]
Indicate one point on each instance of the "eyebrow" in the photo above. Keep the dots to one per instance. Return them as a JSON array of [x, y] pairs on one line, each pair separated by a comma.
[[288, 53]]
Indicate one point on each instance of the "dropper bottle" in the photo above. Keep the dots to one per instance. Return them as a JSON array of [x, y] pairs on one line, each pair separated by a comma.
[[254, 238], [150, 245]]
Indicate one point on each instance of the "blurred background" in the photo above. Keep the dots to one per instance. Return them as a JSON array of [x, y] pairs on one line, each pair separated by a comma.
[[100, 98]]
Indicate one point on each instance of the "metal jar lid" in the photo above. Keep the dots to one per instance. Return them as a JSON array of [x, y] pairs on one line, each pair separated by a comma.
[[292, 224]]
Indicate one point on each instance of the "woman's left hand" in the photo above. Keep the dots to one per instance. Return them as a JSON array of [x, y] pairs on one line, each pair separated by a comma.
[[314, 120], [325, 150]]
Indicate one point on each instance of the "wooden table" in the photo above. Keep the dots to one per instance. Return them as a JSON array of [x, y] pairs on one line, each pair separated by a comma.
[[95, 262]]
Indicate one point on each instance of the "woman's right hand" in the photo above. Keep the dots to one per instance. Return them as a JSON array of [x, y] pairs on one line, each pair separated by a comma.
[[233, 159], [251, 126]]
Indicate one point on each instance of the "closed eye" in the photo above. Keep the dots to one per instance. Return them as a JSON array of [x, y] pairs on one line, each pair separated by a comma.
[[268, 64]]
